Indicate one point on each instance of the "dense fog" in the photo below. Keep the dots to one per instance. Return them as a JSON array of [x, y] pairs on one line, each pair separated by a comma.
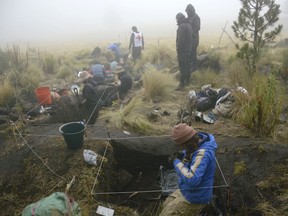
[[66, 20]]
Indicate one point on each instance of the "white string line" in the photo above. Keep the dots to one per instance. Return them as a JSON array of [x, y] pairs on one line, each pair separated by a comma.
[[37, 154], [95, 107], [221, 172], [99, 169], [157, 191]]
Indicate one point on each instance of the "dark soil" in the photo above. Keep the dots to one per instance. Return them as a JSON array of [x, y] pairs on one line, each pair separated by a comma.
[[130, 165]]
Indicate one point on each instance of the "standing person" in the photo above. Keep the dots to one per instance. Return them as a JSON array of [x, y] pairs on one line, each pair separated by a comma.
[[136, 43], [183, 47], [194, 21], [195, 166], [91, 98]]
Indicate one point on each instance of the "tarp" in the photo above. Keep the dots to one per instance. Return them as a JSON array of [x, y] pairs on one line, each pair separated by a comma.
[[57, 203]]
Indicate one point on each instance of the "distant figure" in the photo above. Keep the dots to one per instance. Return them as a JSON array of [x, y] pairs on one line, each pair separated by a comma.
[[183, 47], [194, 21], [98, 72], [136, 43], [115, 48], [96, 52]]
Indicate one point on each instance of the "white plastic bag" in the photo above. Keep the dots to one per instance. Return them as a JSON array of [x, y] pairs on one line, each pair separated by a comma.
[[90, 157]]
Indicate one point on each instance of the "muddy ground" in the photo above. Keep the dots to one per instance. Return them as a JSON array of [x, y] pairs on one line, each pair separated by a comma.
[[127, 177]]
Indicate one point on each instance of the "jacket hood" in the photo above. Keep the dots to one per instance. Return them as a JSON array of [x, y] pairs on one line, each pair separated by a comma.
[[208, 141]]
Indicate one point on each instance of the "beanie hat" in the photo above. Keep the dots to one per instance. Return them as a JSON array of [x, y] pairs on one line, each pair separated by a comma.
[[181, 133], [179, 16]]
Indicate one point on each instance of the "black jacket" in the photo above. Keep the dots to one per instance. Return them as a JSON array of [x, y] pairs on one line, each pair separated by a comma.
[[183, 37]]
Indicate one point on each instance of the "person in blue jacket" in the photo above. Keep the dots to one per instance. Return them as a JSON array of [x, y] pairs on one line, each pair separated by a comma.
[[195, 166]]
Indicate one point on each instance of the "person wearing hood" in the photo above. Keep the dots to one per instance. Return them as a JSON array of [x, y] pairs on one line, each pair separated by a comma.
[[183, 47], [195, 166], [195, 22]]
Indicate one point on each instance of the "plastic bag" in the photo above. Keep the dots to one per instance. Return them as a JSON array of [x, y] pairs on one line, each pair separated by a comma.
[[90, 157]]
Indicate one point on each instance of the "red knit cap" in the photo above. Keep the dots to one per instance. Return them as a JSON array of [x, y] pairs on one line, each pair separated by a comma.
[[181, 133]]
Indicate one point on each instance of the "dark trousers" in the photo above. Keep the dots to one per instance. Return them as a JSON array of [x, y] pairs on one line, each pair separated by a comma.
[[136, 53], [193, 59], [184, 67]]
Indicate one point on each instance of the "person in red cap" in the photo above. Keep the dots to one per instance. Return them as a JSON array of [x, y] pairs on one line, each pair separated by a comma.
[[195, 166]]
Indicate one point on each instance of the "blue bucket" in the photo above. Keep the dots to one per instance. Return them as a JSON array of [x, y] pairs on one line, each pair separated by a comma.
[[73, 134]]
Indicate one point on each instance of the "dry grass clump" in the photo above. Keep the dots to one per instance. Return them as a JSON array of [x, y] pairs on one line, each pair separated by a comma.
[[157, 84], [203, 77], [66, 73], [237, 74], [160, 56], [49, 64], [133, 117], [7, 95]]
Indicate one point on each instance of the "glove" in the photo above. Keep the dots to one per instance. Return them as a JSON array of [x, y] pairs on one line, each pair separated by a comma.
[[179, 155]]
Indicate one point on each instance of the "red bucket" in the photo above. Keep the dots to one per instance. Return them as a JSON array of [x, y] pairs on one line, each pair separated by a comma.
[[43, 95]]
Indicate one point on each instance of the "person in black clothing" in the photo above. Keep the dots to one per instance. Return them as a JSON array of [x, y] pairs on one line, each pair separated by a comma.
[[124, 84], [183, 47], [91, 98], [194, 21]]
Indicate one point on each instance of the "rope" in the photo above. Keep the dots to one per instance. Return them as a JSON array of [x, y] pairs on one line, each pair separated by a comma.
[[100, 167], [155, 191], [221, 172], [36, 153], [95, 107]]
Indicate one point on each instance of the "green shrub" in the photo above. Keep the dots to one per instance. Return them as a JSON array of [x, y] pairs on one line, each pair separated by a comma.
[[261, 112]]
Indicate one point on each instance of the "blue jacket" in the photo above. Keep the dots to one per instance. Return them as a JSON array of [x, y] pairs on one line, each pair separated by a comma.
[[196, 176]]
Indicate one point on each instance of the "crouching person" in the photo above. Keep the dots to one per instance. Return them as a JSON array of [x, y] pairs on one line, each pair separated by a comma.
[[123, 85], [195, 166], [91, 98]]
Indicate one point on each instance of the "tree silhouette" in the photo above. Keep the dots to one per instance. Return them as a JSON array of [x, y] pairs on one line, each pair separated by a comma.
[[255, 27]]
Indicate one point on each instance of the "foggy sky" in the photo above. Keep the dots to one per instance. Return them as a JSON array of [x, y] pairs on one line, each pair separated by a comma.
[[57, 20]]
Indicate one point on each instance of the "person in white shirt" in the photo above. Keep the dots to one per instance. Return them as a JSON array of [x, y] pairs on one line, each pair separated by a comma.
[[136, 43]]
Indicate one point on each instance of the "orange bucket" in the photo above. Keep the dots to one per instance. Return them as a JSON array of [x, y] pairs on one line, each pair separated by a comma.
[[43, 95]]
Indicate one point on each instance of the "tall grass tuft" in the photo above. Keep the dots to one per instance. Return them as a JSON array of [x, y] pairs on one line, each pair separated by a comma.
[[262, 111], [284, 73], [66, 73], [27, 80], [132, 117], [203, 77], [7, 95], [237, 74], [160, 56], [4, 61], [49, 64], [157, 84]]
